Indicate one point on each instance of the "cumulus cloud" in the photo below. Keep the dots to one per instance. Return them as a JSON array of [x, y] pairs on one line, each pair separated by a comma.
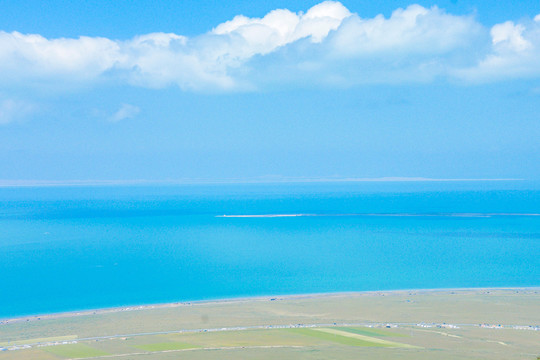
[[326, 44], [414, 30], [126, 111], [12, 110], [281, 27], [35, 57], [514, 53]]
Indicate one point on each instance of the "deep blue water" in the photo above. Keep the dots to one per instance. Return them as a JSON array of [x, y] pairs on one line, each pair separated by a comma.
[[72, 248]]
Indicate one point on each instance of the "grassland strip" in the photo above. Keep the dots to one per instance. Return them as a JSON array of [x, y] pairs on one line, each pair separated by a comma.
[[40, 340], [166, 346], [365, 338], [191, 349], [81, 351]]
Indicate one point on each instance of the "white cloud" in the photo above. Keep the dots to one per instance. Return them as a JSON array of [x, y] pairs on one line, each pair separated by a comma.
[[35, 57], [326, 44], [281, 27], [509, 35], [13, 110], [126, 111], [515, 53], [412, 30]]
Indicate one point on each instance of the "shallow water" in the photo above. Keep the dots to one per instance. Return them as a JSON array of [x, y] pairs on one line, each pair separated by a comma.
[[71, 248]]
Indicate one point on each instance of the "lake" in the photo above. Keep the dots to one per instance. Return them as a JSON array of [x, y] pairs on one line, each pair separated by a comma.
[[83, 247]]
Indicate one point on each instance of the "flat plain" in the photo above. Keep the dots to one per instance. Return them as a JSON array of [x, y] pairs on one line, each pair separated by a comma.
[[424, 324]]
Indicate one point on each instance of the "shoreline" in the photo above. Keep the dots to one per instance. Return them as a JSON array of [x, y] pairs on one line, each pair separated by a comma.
[[262, 298]]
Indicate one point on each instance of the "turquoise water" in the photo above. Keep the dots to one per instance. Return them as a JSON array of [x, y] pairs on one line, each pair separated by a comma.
[[72, 248]]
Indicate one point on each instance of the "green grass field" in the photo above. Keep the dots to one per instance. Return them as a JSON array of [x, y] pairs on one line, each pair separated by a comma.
[[40, 340], [286, 328], [337, 338], [166, 346], [70, 351]]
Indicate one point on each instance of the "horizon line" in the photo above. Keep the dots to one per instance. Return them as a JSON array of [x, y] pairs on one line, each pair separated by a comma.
[[259, 180]]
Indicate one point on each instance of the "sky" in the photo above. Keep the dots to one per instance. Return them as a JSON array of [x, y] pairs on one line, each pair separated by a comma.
[[214, 91]]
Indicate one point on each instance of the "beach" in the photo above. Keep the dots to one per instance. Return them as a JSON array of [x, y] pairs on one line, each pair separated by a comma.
[[488, 323]]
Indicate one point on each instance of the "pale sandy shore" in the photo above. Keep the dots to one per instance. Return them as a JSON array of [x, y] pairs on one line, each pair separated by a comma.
[[255, 299]]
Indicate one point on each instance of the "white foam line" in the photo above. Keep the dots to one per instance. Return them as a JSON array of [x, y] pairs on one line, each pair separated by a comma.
[[380, 215]]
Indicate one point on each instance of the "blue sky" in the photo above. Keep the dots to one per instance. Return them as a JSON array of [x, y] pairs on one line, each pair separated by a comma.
[[209, 90]]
